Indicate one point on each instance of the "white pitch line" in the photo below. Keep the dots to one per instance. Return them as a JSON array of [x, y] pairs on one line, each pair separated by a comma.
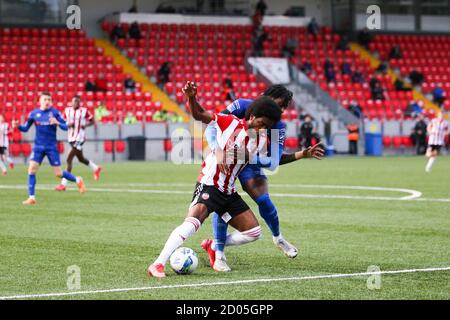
[[412, 197], [209, 284]]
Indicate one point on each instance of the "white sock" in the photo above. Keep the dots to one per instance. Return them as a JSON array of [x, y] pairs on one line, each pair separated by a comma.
[[220, 254], [77, 180], [177, 237], [2, 166], [430, 164], [278, 238], [239, 238], [92, 165], [9, 160], [32, 197], [64, 182]]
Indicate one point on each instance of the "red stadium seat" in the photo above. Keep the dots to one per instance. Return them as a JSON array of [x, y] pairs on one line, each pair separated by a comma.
[[120, 146], [61, 147], [15, 149], [25, 148], [108, 146], [387, 141], [291, 143]]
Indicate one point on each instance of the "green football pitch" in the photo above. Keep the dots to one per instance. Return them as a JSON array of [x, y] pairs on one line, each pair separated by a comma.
[[347, 216]]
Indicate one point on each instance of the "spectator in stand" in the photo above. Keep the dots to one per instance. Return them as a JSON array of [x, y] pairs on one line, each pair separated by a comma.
[[327, 120], [364, 38], [135, 32], [130, 118], [306, 67], [289, 48], [174, 117], [420, 135], [117, 33], [382, 68], [376, 90], [416, 78], [413, 109], [346, 68], [306, 131], [129, 84], [313, 27], [343, 44], [261, 6], [228, 90], [101, 111], [258, 42], [257, 19], [395, 52], [357, 77], [355, 108], [438, 95], [100, 83], [400, 85], [90, 86], [330, 75], [164, 74], [160, 116], [133, 8]]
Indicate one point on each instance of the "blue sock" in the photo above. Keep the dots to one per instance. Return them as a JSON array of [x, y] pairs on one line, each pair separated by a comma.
[[219, 231], [31, 184], [269, 213], [69, 176]]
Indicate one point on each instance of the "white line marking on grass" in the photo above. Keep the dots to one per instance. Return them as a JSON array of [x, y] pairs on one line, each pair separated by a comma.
[[414, 195], [209, 284]]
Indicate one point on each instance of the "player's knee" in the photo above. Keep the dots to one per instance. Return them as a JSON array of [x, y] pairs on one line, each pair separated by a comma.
[[265, 204], [253, 234]]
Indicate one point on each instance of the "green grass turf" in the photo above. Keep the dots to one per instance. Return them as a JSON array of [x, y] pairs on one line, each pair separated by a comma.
[[113, 236]]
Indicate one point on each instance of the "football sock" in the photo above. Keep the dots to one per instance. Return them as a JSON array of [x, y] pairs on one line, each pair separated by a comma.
[[31, 185], [238, 238], [219, 232], [67, 175], [64, 181], [269, 213], [430, 164], [2, 166], [9, 160], [93, 166], [177, 237]]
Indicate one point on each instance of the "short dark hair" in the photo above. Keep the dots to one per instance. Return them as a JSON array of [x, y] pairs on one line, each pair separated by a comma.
[[279, 91], [264, 107], [45, 93]]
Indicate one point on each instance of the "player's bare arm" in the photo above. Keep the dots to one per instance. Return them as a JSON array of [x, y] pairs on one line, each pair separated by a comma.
[[314, 151], [198, 113]]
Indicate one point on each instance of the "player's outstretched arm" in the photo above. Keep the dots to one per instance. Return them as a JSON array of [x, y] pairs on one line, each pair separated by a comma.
[[23, 127], [198, 113], [311, 152]]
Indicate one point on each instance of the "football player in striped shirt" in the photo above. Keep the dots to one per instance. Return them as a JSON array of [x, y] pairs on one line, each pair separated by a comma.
[[215, 190], [78, 118], [5, 129], [437, 131]]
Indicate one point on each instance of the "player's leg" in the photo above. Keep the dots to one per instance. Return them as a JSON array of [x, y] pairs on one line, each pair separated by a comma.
[[431, 155], [197, 214], [2, 161], [257, 188], [219, 227], [95, 168], [64, 181], [33, 168], [9, 159], [53, 157]]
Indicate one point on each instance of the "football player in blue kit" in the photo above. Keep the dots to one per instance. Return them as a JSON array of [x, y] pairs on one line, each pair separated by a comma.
[[46, 119], [254, 181]]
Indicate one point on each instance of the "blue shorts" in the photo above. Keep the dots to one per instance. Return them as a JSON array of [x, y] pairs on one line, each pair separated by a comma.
[[39, 152], [250, 171]]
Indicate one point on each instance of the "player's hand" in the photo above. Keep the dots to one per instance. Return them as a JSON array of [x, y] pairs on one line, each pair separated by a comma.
[[53, 121], [71, 125], [190, 89], [314, 151]]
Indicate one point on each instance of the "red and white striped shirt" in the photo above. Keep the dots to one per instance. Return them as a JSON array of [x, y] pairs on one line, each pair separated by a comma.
[[437, 130], [80, 118], [4, 131], [231, 134]]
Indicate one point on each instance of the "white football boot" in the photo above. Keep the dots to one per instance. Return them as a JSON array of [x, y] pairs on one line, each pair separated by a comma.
[[220, 265], [288, 249]]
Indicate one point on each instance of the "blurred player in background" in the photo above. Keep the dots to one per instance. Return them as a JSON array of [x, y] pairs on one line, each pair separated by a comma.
[[215, 190], [437, 131], [5, 130], [46, 119], [77, 119], [254, 181]]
